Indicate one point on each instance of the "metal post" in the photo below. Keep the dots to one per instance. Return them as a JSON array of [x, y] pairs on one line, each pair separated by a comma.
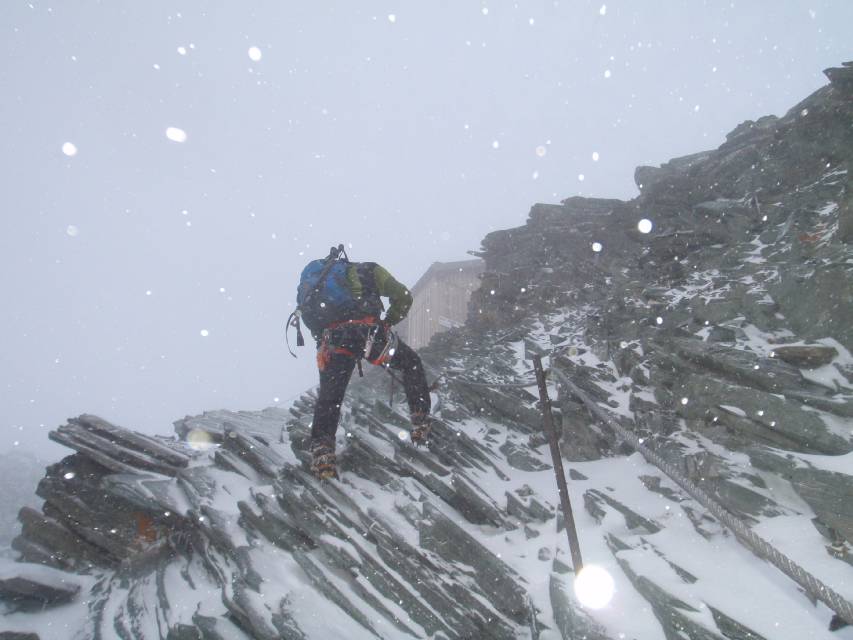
[[571, 532]]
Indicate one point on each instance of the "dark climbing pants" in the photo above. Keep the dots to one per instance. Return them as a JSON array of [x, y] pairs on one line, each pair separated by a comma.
[[336, 358]]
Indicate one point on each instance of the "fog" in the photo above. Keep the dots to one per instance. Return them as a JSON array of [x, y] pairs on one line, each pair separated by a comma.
[[147, 278]]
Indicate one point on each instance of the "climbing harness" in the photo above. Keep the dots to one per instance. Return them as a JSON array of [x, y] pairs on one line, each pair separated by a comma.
[[327, 348]]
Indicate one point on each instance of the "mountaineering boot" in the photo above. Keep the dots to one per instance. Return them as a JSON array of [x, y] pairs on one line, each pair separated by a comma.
[[420, 429], [323, 461], [837, 623]]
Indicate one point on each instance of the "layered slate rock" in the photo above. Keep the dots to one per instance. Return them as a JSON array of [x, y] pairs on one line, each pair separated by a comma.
[[720, 338], [806, 356], [35, 586], [726, 316]]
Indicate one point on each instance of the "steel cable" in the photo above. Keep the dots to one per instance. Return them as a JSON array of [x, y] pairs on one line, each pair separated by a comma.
[[757, 544]]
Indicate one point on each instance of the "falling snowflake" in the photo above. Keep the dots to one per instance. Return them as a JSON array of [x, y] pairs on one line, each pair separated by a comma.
[[176, 135], [485, 11], [597, 247], [607, 73], [644, 225], [495, 144], [594, 587], [392, 18], [541, 151], [69, 476], [204, 333], [603, 10], [684, 401], [199, 439], [255, 54], [72, 230], [182, 51], [595, 156], [581, 177], [69, 149]]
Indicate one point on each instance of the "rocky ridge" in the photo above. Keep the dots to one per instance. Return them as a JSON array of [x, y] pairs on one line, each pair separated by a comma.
[[721, 336]]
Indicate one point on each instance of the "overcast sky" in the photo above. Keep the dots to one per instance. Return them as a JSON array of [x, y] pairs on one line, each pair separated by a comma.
[[408, 129]]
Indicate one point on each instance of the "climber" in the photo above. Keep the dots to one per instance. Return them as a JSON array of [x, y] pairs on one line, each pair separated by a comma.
[[340, 303]]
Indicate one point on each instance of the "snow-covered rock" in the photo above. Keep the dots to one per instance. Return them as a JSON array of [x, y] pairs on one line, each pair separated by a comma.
[[219, 531]]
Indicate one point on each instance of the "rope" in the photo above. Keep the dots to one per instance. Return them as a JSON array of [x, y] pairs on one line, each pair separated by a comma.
[[758, 545]]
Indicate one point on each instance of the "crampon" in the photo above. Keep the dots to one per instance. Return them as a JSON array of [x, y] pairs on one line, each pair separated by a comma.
[[323, 462], [420, 432]]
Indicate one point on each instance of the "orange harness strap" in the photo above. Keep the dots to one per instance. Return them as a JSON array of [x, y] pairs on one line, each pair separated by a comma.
[[324, 353], [367, 320]]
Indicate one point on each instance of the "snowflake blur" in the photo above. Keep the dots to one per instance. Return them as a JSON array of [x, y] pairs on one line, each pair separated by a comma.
[[176, 135], [199, 439], [594, 587]]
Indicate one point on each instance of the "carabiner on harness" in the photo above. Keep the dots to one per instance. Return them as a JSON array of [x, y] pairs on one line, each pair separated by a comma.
[[368, 343], [388, 351]]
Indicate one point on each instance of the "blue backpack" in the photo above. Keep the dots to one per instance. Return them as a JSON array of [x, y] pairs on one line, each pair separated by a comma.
[[323, 295]]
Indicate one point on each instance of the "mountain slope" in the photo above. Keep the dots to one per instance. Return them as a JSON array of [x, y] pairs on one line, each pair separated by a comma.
[[720, 336]]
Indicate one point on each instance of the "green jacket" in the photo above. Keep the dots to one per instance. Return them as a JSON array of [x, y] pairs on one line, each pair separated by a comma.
[[372, 280]]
